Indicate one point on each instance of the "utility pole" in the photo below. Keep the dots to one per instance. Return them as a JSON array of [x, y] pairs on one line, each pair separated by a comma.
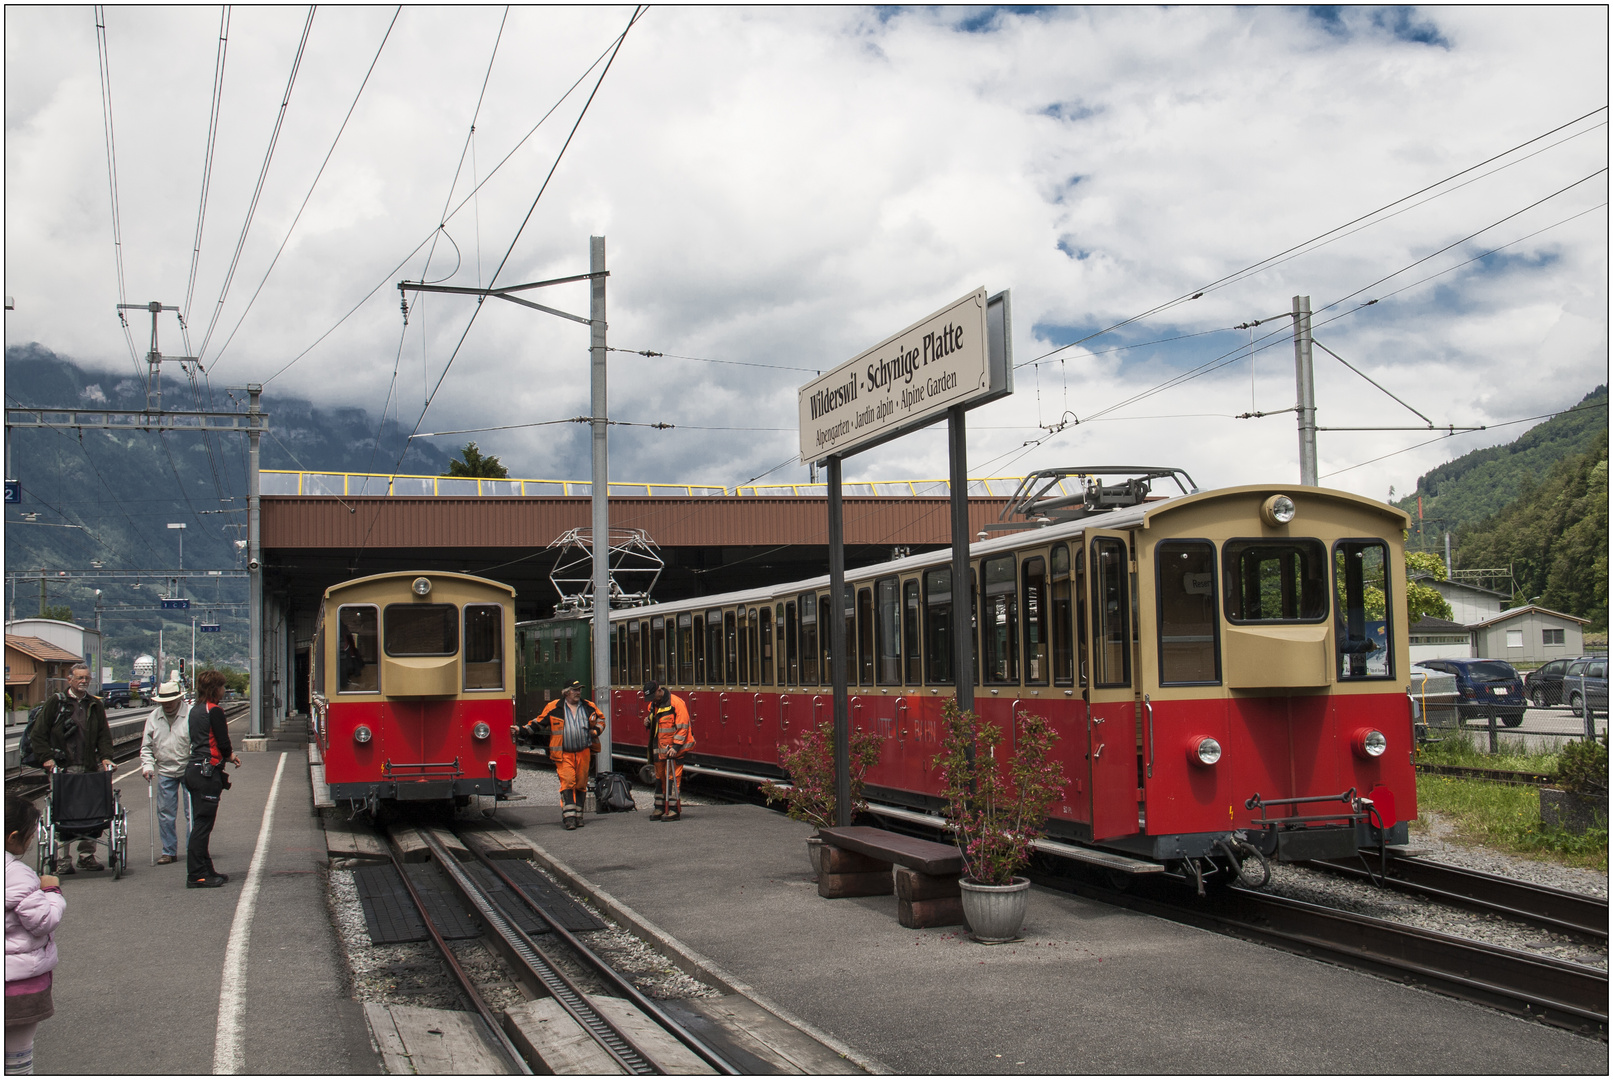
[[1305, 381], [154, 357], [599, 489], [254, 567], [41, 592]]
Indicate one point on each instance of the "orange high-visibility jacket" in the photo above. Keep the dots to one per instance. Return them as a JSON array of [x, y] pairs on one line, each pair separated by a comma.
[[672, 728], [554, 718]]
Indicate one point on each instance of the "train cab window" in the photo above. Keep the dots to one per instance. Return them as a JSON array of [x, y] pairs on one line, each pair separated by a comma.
[[730, 649], [865, 637], [1361, 630], [422, 629], [1033, 597], [743, 630], [356, 667], [484, 647], [1275, 580], [766, 651], [888, 632], [1189, 641], [1111, 614], [698, 639], [809, 639], [714, 646], [938, 626], [1059, 610], [1000, 642], [685, 650], [635, 662], [658, 649], [792, 654], [912, 641]]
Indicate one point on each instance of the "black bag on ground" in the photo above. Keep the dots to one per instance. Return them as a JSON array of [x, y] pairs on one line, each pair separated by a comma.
[[612, 793]]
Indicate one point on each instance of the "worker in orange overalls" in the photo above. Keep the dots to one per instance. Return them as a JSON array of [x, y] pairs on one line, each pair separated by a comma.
[[573, 726], [667, 718]]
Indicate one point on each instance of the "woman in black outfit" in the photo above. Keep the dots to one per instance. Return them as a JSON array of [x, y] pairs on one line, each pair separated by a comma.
[[204, 778]]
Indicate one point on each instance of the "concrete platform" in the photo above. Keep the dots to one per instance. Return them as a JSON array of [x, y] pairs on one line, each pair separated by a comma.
[[143, 959], [1089, 988]]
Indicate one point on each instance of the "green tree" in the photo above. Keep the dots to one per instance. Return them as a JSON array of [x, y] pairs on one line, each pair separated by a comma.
[[1424, 599], [57, 611], [475, 464]]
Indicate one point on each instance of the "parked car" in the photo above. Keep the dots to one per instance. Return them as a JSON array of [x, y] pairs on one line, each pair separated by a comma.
[[121, 697], [1482, 683], [1548, 684], [1586, 678]]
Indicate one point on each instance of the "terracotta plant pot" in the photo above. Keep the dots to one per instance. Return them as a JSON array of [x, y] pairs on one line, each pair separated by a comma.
[[995, 912], [815, 853]]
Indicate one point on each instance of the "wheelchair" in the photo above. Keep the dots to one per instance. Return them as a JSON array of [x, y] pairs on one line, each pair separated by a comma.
[[84, 806]]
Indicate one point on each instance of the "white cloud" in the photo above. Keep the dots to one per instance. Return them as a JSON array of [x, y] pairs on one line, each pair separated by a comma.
[[788, 185]]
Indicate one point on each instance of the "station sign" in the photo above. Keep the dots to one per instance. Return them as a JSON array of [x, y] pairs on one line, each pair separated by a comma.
[[960, 355], [208, 627], [13, 491], [173, 604]]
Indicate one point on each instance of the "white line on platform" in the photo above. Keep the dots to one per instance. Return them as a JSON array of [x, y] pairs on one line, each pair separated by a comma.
[[229, 1056]]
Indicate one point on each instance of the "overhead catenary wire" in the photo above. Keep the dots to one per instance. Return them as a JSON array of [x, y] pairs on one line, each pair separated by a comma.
[[104, 68], [207, 159], [1453, 434]]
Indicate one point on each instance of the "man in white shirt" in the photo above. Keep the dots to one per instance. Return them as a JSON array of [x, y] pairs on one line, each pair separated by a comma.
[[165, 752]]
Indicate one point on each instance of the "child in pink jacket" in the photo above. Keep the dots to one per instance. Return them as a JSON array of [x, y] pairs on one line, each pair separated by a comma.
[[34, 906]]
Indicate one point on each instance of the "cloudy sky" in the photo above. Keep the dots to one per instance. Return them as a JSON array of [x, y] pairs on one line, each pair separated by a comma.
[[781, 188]]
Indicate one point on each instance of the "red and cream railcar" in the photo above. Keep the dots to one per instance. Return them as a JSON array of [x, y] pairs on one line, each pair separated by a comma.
[[1226, 662], [413, 688]]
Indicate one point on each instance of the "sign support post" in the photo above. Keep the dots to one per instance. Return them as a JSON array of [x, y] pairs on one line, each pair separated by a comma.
[[941, 366]]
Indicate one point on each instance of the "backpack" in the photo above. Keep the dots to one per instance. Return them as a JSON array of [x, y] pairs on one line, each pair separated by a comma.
[[612, 793], [29, 759]]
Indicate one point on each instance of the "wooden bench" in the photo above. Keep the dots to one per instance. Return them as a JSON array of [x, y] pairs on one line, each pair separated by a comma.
[[858, 861]]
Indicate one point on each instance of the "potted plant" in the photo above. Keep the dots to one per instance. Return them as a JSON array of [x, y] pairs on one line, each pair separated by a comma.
[[1579, 802], [810, 794], [997, 807]]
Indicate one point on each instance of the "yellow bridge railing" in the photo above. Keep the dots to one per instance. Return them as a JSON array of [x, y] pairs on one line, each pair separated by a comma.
[[296, 482]]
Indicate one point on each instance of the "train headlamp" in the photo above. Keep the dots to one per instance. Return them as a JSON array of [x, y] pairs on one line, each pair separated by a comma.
[[1277, 510], [1204, 751], [361, 734], [421, 586], [481, 731], [1369, 743]]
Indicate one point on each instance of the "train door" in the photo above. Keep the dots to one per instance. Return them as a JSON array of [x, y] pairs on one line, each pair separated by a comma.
[[1111, 698]]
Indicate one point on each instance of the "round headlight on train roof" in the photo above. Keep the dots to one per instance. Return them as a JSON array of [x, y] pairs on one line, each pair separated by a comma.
[[1277, 510], [1369, 743], [421, 586], [1203, 751], [481, 731], [361, 734]]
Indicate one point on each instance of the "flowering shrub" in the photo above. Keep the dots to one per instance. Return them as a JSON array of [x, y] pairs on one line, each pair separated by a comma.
[[997, 808], [811, 765]]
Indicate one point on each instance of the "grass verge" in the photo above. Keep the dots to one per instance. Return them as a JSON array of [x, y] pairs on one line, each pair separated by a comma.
[[1471, 751], [1507, 817]]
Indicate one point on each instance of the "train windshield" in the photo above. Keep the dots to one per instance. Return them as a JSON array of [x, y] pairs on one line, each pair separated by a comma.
[[1275, 580], [422, 629], [356, 669]]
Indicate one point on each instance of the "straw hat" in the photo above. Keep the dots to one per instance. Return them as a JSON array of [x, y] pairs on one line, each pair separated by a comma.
[[168, 691]]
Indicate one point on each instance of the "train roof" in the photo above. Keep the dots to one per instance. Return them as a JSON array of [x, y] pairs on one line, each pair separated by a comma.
[[440, 575], [1143, 515]]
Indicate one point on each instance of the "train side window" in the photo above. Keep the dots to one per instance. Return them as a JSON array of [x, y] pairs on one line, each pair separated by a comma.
[[484, 647], [698, 638], [714, 646], [1364, 645], [938, 627], [1111, 614], [1000, 642], [889, 632], [791, 647], [1275, 581], [730, 649], [422, 629], [766, 652], [1034, 599], [865, 637], [743, 630], [809, 639], [1060, 611], [658, 649], [356, 667], [635, 662], [753, 620], [826, 640], [318, 673], [1189, 641], [685, 650], [912, 641]]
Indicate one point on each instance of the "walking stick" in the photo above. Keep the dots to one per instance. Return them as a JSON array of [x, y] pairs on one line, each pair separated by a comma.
[[151, 821]]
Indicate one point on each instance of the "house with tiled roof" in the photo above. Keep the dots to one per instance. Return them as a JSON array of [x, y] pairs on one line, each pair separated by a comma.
[[35, 668]]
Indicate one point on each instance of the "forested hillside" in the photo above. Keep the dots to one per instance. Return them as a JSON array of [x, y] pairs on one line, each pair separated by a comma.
[[1478, 485], [1554, 536]]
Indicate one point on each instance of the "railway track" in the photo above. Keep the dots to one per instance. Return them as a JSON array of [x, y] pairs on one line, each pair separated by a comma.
[[1538, 905], [1556, 992], [540, 973]]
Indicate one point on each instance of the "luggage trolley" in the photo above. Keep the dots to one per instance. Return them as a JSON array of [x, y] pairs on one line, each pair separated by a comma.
[[84, 806]]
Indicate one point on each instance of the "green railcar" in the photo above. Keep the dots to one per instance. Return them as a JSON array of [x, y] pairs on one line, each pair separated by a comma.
[[552, 652]]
